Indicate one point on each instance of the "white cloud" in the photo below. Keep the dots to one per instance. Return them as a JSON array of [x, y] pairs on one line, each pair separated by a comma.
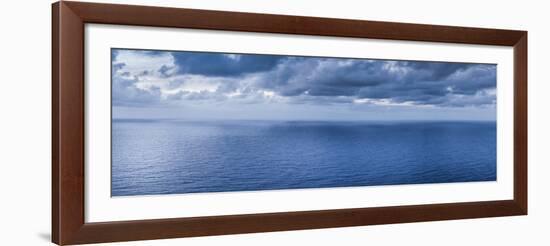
[[136, 62]]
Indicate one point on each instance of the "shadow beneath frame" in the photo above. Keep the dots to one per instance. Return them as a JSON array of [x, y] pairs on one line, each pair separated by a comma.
[[45, 236]]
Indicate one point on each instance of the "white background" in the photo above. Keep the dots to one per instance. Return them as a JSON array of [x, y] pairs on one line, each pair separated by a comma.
[[25, 126]]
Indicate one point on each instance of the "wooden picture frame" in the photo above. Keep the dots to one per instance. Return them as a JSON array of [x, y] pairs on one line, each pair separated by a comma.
[[68, 122]]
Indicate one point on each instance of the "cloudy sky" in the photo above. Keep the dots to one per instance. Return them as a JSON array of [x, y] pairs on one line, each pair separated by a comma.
[[199, 85]]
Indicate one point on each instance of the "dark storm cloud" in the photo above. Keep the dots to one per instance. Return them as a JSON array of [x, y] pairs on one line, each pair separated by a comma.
[[435, 70], [422, 83], [215, 64], [323, 77], [433, 87], [315, 80]]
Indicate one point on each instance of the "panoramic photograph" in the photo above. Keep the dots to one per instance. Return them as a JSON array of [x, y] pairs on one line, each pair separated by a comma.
[[197, 122]]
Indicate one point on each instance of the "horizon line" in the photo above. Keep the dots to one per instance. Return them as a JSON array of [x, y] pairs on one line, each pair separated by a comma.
[[305, 120]]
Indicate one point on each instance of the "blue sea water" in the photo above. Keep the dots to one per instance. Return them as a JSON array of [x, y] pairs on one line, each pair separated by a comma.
[[173, 157]]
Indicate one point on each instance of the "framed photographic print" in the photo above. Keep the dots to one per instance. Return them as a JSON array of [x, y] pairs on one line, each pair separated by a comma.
[[177, 123]]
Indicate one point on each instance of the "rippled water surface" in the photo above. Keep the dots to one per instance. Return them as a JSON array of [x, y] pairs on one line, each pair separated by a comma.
[[172, 157]]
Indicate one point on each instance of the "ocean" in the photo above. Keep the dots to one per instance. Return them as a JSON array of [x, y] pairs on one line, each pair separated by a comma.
[[175, 157]]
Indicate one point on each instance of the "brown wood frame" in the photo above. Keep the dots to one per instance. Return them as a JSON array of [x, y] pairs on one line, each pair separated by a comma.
[[68, 224]]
